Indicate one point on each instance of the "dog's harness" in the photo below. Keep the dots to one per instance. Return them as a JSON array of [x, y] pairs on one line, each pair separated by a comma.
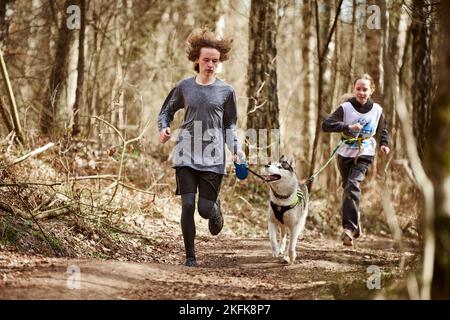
[[280, 210]]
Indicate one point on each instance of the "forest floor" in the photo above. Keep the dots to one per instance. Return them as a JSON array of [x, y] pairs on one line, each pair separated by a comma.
[[229, 268], [131, 247]]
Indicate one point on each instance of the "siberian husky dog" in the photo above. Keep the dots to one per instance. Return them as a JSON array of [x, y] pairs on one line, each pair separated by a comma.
[[288, 207]]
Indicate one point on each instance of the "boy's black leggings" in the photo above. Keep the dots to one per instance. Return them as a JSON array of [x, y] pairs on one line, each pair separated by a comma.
[[352, 175], [205, 208], [207, 183]]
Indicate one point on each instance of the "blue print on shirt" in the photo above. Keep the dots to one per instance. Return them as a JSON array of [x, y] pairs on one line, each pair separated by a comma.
[[367, 131]]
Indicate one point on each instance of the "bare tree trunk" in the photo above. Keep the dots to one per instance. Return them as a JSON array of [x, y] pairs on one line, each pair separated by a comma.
[[12, 100], [375, 44], [80, 97], [58, 76], [4, 22], [422, 84], [4, 26], [334, 94], [207, 12], [438, 160], [28, 92], [390, 60], [404, 74], [322, 52], [6, 116], [308, 73], [326, 91], [375, 37], [92, 90], [263, 110], [99, 39], [360, 54], [351, 72], [116, 92]]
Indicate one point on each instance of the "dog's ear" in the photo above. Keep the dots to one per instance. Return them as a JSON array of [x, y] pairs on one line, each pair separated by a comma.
[[291, 161], [282, 158]]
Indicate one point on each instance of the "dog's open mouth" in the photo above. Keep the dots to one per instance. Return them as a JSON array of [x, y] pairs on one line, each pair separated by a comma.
[[271, 177]]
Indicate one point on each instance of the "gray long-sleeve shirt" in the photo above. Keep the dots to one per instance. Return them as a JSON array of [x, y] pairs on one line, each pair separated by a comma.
[[209, 121]]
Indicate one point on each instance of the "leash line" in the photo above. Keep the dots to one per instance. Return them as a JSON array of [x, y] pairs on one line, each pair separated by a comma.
[[259, 176], [358, 139], [327, 162], [315, 174]]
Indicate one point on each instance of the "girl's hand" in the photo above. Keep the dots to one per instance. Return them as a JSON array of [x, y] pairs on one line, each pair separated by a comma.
[[385, 150], [164, 135], [356, 126]]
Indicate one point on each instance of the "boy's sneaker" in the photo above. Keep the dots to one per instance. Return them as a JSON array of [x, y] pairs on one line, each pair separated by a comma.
[[215, 223], [347, 237], [190, 262]]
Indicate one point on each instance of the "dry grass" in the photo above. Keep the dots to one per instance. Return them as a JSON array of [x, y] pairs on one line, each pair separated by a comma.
[[86, 220]]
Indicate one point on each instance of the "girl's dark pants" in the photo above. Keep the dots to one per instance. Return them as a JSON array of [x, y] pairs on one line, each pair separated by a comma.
[[352, 175]]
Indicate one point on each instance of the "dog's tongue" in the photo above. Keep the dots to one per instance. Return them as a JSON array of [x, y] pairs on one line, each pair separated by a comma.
[[271, 177]]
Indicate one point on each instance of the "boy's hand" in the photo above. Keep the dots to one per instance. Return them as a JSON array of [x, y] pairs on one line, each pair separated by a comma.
[[164, 135], [239, 156], [385, 150]]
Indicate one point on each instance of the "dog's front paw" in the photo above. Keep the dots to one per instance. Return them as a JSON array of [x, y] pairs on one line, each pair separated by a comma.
[[292, 257], [287, 259]]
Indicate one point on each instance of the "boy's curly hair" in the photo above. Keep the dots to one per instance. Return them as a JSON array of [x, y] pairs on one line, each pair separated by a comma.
[[204, 38]]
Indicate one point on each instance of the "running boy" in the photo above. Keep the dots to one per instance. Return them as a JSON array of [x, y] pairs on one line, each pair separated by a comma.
[[209, 122]]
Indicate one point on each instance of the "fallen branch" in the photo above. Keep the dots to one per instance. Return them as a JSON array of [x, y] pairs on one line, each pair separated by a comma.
[[26, 184], [51, 213], [103, 176], [14, 210], [32, 153], [8, 138], [111, 177], [36, 215], [136, 189]]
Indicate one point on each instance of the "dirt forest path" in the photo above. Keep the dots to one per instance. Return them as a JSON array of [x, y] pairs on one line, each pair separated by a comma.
[[229, 268]]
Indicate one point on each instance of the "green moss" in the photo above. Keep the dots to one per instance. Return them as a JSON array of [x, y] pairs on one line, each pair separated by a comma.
[[53, 241], [99, 255], [8, 233]]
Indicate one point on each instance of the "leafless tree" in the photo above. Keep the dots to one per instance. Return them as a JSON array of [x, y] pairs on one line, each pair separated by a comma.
[[263, 109]]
